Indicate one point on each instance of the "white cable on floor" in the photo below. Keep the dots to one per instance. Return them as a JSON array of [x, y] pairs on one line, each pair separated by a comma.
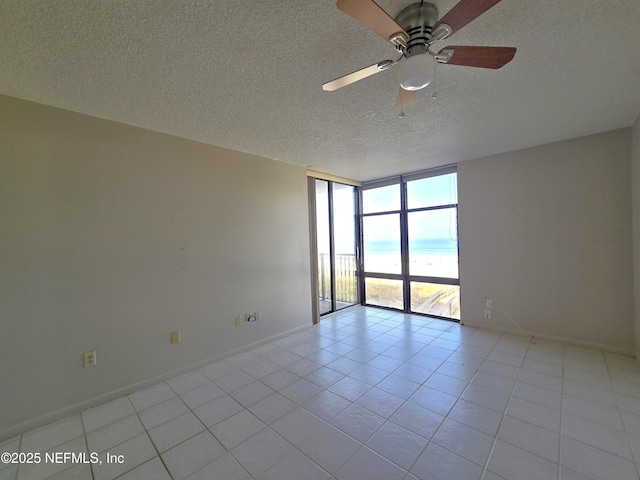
[[510, 318]]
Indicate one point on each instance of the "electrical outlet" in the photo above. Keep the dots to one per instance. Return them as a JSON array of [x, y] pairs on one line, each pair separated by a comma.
[[489, 303], [175, 337], [89, 359], [238, 320], [257, 315], [487, 314]]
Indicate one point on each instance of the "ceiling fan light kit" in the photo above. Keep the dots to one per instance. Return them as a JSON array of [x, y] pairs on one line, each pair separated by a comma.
[[412, 32], [416, 72]]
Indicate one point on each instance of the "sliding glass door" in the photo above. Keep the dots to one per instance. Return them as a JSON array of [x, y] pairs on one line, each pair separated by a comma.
[[343, 206], [335, 225], [410, 244], [323, 241]]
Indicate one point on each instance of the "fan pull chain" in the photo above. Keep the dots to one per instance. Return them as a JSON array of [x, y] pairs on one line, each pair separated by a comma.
[[434, 95]]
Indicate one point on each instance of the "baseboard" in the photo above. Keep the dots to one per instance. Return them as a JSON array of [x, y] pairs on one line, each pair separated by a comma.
[[550, 338], [48, 418]]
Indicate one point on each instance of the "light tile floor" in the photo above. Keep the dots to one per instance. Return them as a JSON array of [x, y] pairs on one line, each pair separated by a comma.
[[367, 394]]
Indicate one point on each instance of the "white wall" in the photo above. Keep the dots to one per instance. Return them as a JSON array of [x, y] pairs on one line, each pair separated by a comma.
[[113, 236], [546, 233], [635, 190]]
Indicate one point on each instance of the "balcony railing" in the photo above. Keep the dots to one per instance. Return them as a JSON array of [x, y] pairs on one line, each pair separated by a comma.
[[346, 279]]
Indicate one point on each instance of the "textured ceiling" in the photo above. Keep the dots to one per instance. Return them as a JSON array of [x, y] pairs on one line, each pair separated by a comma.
[[248, 75]]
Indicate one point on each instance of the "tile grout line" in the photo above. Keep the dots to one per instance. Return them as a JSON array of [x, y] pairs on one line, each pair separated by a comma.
[[407, 401], [353, 402], [627, 435], [495, 438], [637, 467], [295, 448], [20, 450], [86, 443], [429, 440], [208, 429], [561, 419], [128, 397]]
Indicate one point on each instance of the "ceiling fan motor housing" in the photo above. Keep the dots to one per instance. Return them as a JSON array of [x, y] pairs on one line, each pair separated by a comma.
[[417, 20]]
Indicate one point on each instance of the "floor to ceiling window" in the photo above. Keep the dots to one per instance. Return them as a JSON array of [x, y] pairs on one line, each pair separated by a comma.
[[335, 234], [381, 240], [410, 243]]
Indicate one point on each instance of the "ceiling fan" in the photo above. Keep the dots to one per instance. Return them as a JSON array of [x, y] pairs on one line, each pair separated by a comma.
[[412, 33]]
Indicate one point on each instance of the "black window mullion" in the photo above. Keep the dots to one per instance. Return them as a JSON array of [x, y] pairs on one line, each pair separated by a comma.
[[358, 241], [332, 262], [437, 280], [379, 214], [361, 288], [404, 248], [437, 207], [390, 276], [458, 244]]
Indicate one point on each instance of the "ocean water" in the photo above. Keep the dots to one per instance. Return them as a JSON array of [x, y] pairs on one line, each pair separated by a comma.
[[428, 257], [422, 246]]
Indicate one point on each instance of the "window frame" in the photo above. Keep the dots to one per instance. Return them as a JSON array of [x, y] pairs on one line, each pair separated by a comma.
[[404, 212]]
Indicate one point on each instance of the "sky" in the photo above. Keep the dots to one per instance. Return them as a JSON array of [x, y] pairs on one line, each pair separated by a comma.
[[440, 190]]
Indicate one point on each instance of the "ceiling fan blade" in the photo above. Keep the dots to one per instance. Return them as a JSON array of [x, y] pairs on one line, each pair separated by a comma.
[[371, 15], [357, 75], [463, 13], [483, 57], [405, 97]]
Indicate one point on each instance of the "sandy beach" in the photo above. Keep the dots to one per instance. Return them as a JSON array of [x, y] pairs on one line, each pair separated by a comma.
[[421, 265]]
